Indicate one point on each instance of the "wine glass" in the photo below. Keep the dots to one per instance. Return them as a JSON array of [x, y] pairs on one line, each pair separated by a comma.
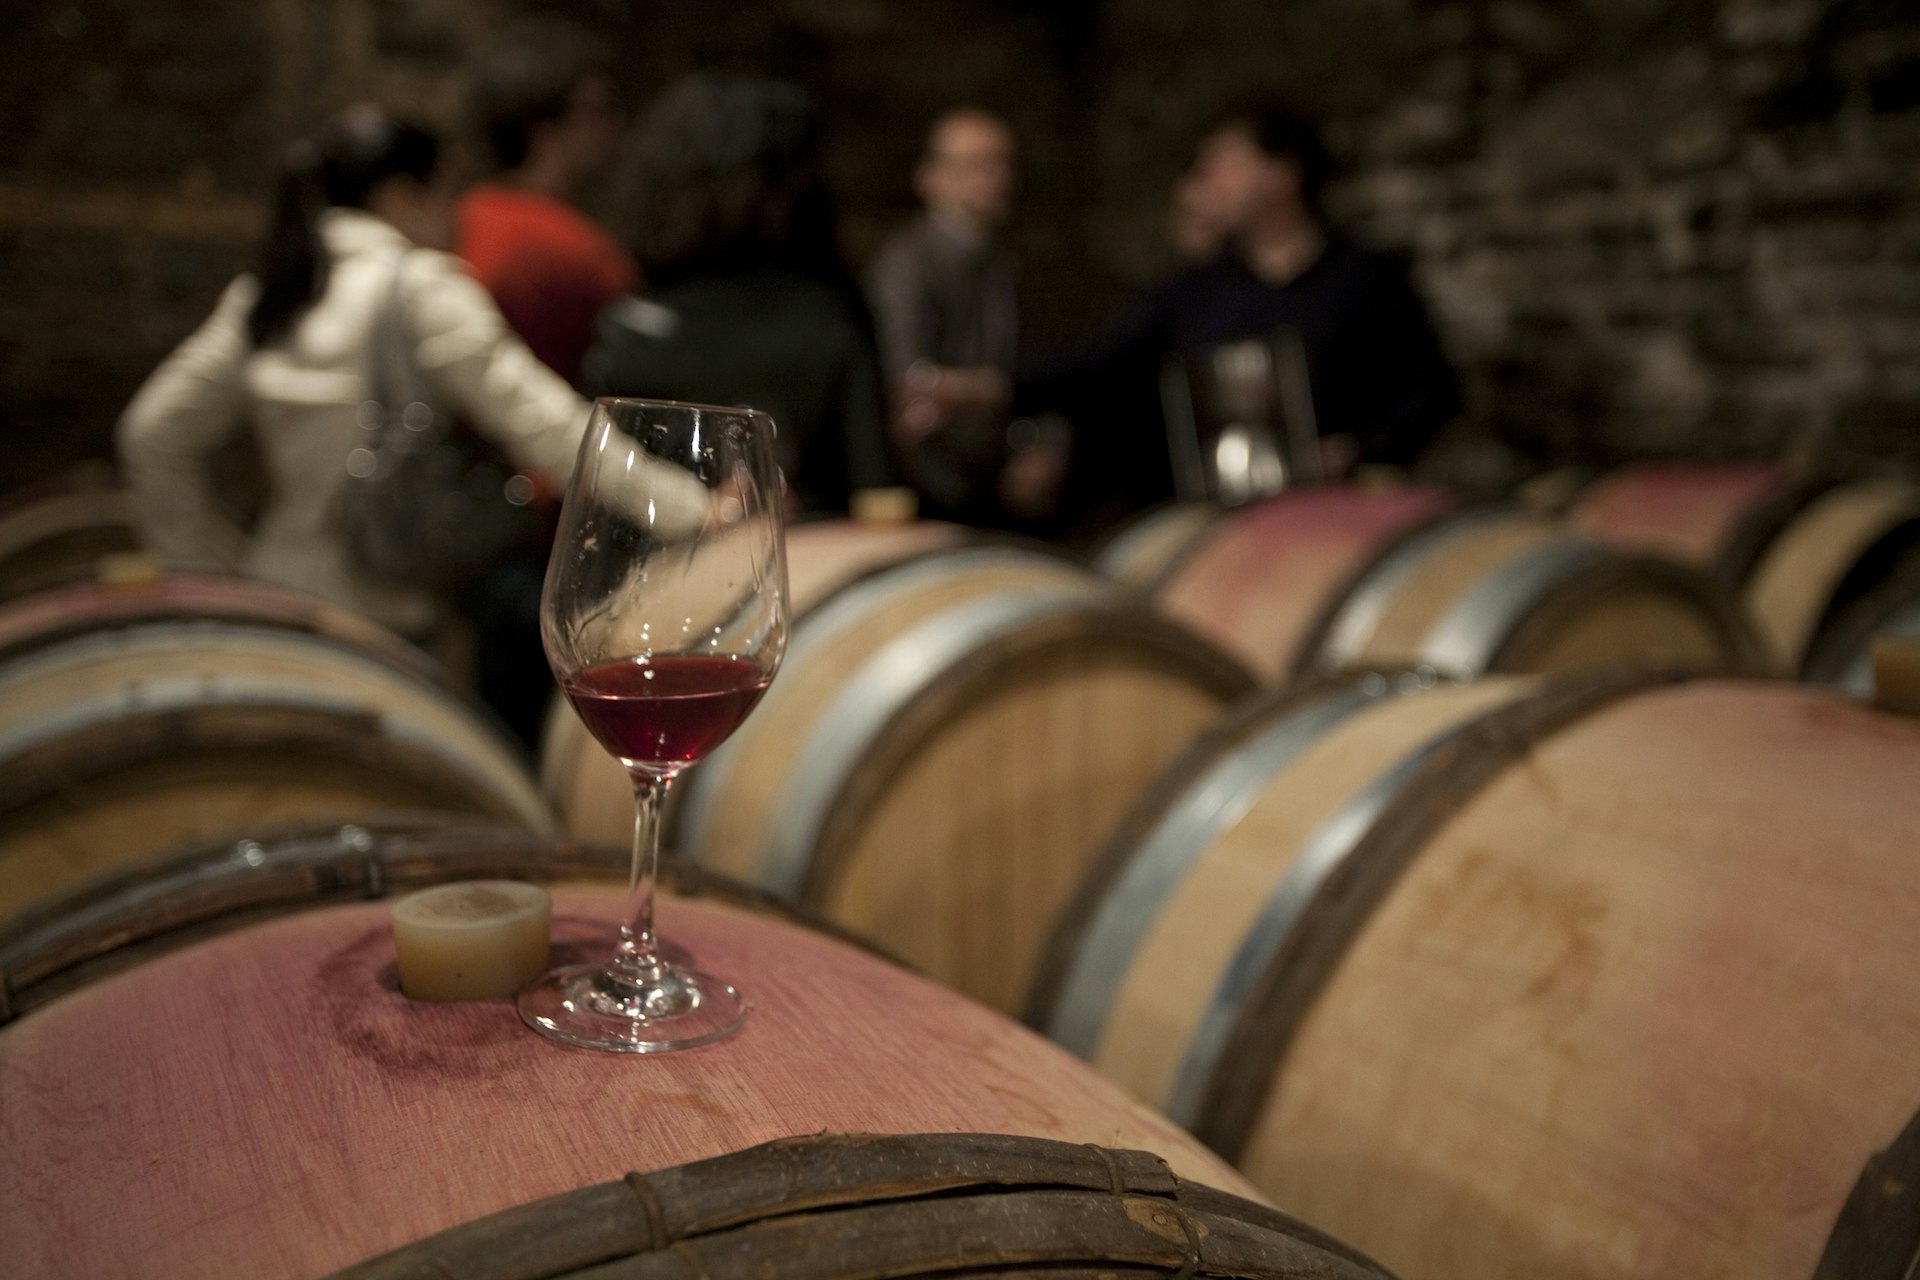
[[664, 617]]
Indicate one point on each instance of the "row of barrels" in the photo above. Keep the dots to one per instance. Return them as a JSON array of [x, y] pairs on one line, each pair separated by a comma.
[[206, 1066], [1397, 1036], [1796, 575], [969, 726]]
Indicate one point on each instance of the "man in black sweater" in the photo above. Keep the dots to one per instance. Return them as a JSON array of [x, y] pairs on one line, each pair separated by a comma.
[[1381, 387]]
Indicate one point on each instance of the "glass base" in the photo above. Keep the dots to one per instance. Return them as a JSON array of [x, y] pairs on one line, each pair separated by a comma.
[[588, 1006]]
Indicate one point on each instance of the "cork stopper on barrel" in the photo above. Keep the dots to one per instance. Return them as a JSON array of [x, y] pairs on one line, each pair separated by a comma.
[[476, 940], [894, 505]]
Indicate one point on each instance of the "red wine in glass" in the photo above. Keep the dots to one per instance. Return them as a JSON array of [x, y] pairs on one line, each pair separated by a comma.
[[667, 709]]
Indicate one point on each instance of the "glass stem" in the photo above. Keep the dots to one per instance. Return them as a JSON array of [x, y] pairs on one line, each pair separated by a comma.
[[637, 958]]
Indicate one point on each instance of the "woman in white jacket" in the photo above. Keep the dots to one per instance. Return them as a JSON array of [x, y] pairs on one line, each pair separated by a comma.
[[286, 355]]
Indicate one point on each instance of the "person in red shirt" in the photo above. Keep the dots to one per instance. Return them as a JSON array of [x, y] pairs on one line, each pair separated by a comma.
[[547, 104]]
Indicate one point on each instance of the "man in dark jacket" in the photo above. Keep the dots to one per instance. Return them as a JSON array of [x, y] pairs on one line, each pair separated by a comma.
[[1380, 386], [942, 293]]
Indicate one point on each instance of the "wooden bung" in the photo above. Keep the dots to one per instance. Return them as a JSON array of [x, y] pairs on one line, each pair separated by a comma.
[[1594, 977], [268, 1103], [471, 940]]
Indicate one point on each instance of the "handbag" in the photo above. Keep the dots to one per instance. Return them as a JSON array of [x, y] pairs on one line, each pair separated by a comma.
[[428, 502]]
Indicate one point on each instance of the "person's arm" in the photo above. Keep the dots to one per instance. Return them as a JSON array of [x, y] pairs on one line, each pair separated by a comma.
[[1422, 395], [469, 355], [902, 309], [191, 405], [1131, 351]]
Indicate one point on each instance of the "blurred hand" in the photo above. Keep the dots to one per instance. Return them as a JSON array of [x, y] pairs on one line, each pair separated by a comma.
[[1338, 453], [1036, 468], [931, 396]]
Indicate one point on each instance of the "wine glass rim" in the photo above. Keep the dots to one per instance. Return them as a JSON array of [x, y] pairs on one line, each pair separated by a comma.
[[680, 404]]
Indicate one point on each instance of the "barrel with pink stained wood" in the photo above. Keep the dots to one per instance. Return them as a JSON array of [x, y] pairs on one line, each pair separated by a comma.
[[1328, 578], [1712, 515], [1256, 580], [1801, 553], [265, 1102]]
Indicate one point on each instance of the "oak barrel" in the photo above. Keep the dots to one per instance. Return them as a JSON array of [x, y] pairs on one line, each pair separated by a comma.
[[1142, 551], [841, 1206], [1257, 580], [50, 536], [264, 1102], [1714, 515], [824, 555], [1840, 546], [134, 719], [1597, 976], [1842, 652], [948, 743], [1498, 590]]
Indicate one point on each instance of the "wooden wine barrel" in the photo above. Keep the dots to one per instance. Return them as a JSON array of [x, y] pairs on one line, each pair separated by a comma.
[[1842, 653], [1142, 552], [266, 1103], [134, 720], [1588, 977], [1496, 590], [947, 745], [1878, 1234], [588, 788], [825, 555], [125, 917], [834, 1206], [50, 537], [1258, 580], [1837, 548], [1551, 492], [1715, 516]]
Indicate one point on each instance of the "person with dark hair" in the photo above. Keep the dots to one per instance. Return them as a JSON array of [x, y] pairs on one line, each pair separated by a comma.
[[349, 274], [1379, 384], [547, 104], [942, 290], [722, 200]]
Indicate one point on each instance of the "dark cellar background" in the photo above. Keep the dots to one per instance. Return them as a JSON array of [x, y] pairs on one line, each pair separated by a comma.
[[1644, 226]]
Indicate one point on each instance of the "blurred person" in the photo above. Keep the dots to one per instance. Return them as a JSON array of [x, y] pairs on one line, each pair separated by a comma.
[[748, 301], [547, 105], [1198, 224], [942, 292], [360, 216], [1380, 384]]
